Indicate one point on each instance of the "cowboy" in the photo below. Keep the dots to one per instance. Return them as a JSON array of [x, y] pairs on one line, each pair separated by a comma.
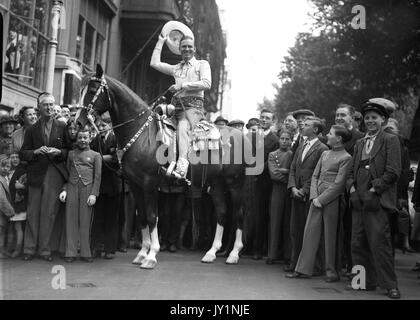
[[192, 78]]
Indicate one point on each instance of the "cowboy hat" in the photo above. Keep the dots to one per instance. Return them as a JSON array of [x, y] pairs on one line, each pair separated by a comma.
[[175, 31]]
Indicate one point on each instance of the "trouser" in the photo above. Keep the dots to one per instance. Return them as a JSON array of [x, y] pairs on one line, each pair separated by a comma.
[[173, 205], [78, 219], [262, 215], [279, 241], [186, 121], [320, 220], [129, 219], [105, 223], [298, 217], [371, 239], [43, 205]]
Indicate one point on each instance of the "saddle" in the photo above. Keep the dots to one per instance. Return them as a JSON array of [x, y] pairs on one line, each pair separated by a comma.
[[204, 136]]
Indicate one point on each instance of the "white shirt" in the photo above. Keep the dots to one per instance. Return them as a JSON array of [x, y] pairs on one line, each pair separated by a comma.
[[308, 145]]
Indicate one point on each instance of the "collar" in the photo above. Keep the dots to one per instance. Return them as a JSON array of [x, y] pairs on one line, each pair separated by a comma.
[[339, 148], [311, 142], [371, 137], [266, 132], [190, 62]]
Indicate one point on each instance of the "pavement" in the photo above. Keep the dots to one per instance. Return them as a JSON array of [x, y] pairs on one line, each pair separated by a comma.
[[180, 276]]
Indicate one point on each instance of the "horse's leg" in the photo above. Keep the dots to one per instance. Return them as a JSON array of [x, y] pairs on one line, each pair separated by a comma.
[[150, 198], [145, 243], [220, 208], [237, 223]]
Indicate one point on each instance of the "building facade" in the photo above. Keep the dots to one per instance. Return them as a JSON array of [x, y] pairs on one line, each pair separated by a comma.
[[118, 34]]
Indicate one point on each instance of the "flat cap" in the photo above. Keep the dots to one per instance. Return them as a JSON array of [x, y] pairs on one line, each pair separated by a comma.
[[221, 119], [236, 122], [305, 112], [389, 106], [378, 108]]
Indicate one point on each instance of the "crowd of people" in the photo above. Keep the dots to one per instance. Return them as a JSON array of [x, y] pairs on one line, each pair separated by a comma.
[[325, 201]]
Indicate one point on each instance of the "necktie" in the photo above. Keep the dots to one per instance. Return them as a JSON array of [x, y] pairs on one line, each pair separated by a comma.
[[305, 149], [369, 144]]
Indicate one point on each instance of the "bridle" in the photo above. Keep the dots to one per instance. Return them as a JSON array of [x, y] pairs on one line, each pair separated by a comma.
[[91, 111]]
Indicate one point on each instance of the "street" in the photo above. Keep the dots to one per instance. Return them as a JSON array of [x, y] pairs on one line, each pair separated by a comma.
[[182, 276]]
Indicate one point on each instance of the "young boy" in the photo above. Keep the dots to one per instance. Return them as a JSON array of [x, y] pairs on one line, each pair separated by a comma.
[[80, 193], [328, 183], [6, 209], [279, 162]]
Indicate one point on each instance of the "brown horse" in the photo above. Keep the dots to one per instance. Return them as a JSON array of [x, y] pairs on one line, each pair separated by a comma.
[[136, 128]]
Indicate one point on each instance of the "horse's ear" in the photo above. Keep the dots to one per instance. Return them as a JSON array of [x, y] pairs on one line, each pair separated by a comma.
[[99, 71]]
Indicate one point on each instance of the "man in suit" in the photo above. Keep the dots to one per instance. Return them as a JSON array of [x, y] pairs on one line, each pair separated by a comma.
[[372, 181], [303, 165], [344, 115], [264, 184], [300, 116], [105, 221], [328, 183], [45, 148]]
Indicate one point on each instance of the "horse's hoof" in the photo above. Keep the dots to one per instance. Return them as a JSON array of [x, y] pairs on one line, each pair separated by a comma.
[[148, 264], [208, 258], [138, 260], [232, 259]]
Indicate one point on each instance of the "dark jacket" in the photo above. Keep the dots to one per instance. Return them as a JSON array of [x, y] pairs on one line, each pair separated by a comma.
[[19, 198], [384, 167], [416, 192], [349, 145], [111, 184], [301, 171], [38, 164]]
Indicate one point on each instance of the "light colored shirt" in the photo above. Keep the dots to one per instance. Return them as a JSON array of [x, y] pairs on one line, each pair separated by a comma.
[[308, 145], [194, 75], [369, 142]]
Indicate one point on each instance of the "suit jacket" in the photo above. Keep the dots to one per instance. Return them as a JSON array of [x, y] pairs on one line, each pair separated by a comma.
[[384, 167], [349, 145], [278, 162], [301, 171], [38, 164], [330, 175], [111, 184], [85, 166], [271, 144]]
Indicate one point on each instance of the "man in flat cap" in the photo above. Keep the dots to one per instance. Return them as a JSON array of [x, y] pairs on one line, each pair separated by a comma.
[[300, 116], [221, 122], [192, 78], [238, 124], [45, 147], [372, 182]]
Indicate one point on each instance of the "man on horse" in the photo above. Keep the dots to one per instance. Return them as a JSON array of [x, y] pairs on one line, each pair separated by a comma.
[[192, 78]]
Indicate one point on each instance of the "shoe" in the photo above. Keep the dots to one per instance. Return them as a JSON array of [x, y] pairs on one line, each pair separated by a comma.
[[332, 279], [27, 257], [289, 268], [349, 287], [69, 259], [109, 256], [394, 293], [124, 250], [257, 256], [269, 261], [97, 254], [172, 248], [86, 259], [407, 249], [163, 247], [48, 258], [297, 275], [15, 254]]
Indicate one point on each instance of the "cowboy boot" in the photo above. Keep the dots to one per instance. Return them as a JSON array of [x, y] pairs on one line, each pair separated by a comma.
[[181, 168]]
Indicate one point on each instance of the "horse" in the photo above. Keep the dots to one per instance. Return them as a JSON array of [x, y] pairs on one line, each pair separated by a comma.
[[136, 126]]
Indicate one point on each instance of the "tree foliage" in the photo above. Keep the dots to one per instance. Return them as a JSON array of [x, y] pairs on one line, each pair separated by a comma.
[[337, 63]]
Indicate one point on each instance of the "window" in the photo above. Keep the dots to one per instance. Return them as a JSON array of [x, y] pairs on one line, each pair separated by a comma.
[[27, 43], [93, 25]]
